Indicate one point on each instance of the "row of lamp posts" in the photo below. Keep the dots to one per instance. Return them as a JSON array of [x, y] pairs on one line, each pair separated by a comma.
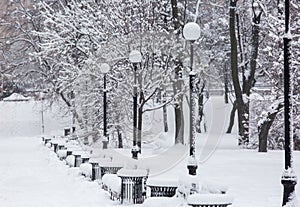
[[191, 33], [135, 57]]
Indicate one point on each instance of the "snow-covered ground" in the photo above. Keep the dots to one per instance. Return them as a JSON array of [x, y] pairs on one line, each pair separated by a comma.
[[31, 175]]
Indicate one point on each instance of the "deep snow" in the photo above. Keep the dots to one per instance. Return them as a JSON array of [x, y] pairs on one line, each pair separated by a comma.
[[32, 175]]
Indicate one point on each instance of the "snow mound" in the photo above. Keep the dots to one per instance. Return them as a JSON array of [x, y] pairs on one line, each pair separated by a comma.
[[113, 182], [162, 182], [16, 97], [132, 172], [209, 199], [70, 160], [213, 188], [62, 154], [163, 202], [86, 169]]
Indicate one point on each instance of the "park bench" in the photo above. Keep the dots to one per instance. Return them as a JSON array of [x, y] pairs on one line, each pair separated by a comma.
[[112, 184]]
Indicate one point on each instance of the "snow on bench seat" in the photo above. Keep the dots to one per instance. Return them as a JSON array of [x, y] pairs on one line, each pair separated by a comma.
[[209, 200]]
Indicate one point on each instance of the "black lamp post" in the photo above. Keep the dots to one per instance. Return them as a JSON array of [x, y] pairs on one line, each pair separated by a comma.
[[135, 57], [191, 33], [104, 68], [42, 112], [288, 179]]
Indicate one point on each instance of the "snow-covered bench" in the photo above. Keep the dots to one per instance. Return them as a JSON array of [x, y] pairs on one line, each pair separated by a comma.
[[209, 200], [62, 154], [112, 184]]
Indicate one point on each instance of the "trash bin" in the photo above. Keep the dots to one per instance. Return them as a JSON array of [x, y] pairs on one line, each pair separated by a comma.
[[95, 170]]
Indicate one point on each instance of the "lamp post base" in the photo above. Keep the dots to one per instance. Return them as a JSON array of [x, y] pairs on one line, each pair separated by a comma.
[[192, 169], [192, 165], [288, 182], [105, 143], [135, 153]]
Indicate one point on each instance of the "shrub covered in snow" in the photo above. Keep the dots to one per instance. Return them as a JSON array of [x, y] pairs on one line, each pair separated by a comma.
[[188, 184], [70, 160], [86, 169], [62, 154]]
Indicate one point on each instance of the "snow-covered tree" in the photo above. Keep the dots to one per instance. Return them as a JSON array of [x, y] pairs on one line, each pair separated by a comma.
[[245, 28], [271, 118], [19, 19]]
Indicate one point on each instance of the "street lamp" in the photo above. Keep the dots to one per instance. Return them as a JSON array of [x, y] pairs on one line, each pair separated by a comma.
[[288, 179], [135, 57], [191, 32], [104, 68], [42, 111]]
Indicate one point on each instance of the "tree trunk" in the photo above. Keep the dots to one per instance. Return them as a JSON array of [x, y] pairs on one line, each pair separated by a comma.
[[120, 138], [226, 99], [165, 119], [75, 115], [232, 116], [264, 129], [254, 53], [249, 81], [179, 121], [165, 111], [241, 106], [244, 134]]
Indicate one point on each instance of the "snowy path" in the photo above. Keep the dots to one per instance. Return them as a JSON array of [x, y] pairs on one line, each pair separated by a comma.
[[32, 176]]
